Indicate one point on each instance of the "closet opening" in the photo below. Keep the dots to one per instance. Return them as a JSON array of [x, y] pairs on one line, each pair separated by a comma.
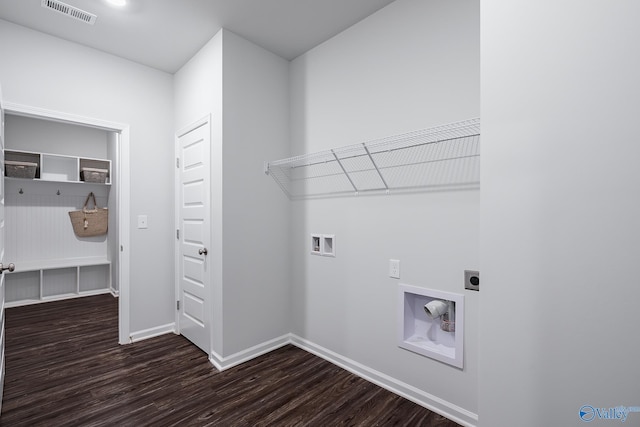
[[60, 161]]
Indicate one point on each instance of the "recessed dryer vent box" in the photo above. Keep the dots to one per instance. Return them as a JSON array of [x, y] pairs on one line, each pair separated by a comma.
[[436, 338]]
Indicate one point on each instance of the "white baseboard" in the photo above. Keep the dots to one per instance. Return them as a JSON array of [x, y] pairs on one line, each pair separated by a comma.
[[422, 398], [222, 363], [152, 332]]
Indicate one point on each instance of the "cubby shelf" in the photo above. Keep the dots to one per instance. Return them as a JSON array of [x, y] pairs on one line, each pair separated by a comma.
[[441, 157], [50, 280], [59, 168], [23, 266]]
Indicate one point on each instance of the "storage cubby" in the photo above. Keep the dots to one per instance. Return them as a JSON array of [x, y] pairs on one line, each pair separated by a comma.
[[59, 168], [59, 282], [94, 277], [95, 164], [22, 287], [54, 280], [17, 156], [440, 338]]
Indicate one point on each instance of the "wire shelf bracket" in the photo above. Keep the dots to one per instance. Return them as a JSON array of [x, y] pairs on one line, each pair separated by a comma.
[[442, 157]]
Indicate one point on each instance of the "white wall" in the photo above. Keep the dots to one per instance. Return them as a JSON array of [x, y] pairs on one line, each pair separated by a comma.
[[412, 65], [198, 85], [49, 73], [44, 136], [256, 213], [559, 212], [249, 215]]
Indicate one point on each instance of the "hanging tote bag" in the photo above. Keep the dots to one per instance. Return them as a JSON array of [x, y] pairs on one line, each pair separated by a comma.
[[90, 222]]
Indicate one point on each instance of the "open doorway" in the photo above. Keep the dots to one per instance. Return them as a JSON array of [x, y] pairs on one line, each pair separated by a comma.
[[74, 271]]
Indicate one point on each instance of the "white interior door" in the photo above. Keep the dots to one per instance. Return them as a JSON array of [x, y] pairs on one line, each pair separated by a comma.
[[193, 234]]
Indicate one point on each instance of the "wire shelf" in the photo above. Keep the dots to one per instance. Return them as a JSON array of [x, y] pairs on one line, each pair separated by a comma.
[[443, 157]]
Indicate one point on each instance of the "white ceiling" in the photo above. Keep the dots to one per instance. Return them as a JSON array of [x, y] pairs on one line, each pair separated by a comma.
[[165, 34]]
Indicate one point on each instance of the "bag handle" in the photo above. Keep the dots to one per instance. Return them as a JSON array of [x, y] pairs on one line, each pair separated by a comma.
[[86, 202]]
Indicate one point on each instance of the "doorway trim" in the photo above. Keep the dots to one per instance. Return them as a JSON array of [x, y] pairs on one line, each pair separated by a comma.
[[123, 181]]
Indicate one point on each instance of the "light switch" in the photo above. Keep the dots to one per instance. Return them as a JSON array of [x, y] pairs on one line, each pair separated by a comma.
[[142, 221]]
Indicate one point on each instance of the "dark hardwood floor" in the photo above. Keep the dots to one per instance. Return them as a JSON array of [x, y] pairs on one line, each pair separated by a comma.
[[64, 367]]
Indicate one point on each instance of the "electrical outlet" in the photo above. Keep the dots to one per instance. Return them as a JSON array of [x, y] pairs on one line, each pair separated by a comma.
[[472, 280], [394, 268]]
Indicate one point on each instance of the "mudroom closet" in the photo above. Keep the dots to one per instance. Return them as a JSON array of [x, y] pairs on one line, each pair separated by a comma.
[[51, 169]]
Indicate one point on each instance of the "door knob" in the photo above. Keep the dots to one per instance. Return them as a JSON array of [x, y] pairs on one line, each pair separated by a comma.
[[10, 267], [202, 251]]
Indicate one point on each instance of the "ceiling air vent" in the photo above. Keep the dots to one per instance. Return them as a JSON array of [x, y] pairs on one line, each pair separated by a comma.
[[70, 11]]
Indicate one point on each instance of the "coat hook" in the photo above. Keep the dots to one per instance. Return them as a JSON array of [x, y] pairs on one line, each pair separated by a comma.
[[21, 192], [58, 192]]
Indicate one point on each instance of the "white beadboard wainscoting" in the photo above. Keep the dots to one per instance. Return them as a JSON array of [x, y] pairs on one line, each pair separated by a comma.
[[38, 225], [51, 261]]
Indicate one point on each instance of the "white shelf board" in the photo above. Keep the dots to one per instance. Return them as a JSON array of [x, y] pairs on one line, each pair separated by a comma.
[[52, 264], [10, 178]]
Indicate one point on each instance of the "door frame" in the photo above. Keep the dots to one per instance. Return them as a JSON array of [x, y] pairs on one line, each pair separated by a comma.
[[204, 121], [123, 181]]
